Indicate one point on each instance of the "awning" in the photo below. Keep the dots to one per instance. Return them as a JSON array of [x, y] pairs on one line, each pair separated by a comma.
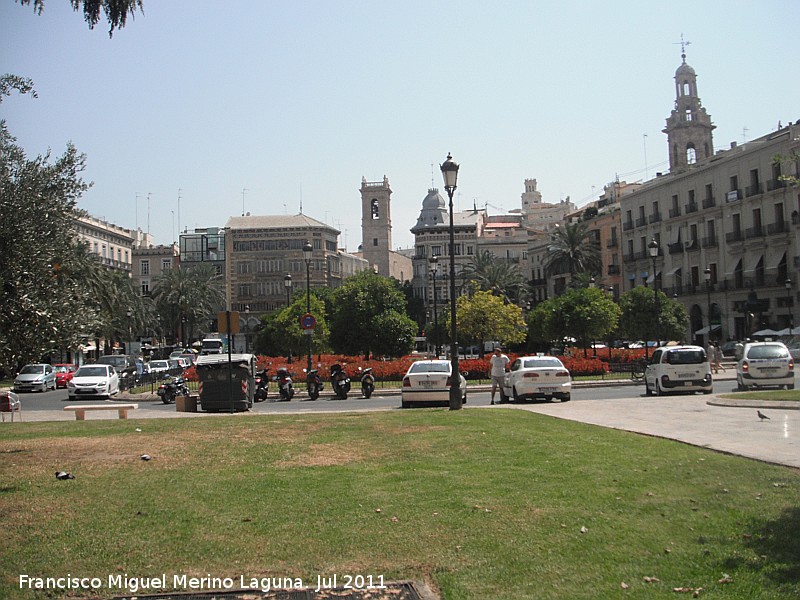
[[704, 330], [650, 279], [765, 332], [86, 348], [675, 236], [787, 331], [673, 271], [774, 264]]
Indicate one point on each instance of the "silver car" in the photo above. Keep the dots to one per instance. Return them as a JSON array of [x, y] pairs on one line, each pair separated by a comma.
[[428, 382], [35, 377], [765, 364]]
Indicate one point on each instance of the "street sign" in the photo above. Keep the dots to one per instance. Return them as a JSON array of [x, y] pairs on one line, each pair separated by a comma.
[[222, 322], [308, 322]]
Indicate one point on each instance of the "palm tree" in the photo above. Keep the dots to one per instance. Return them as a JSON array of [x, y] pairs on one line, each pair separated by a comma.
[[572, 250], [496, 275]]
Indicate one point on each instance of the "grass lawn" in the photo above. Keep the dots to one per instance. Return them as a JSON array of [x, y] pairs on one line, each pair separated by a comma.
[[779, 395], [481, 504]]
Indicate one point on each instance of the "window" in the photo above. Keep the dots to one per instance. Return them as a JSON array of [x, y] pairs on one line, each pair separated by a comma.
[[244, 289], [374, 241], [374, 209], [436, 250], [144, 267], [734, 183], [145, 287], [166, 264]]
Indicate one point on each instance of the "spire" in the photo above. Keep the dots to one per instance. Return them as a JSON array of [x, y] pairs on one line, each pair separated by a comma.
[[683, 48]]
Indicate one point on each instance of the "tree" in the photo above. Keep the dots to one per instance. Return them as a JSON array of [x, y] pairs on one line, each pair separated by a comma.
[[572, 250], [497, 275], [290, 337], [485, 317], [116, 11], [44, 303], [368, 316], [639, 321]]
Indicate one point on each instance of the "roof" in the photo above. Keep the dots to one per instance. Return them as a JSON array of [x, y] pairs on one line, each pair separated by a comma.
[[299, 221], [220, 359]]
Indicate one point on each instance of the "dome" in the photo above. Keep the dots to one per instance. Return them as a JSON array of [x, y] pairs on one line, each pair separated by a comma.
[[433, 200], [684, 70], [433, 213]]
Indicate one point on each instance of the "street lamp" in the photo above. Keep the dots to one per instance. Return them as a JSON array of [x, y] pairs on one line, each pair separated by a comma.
[[129, 313], [652, 248], [308, 249], [287, 283], [707, 276], [450, 174], [788, 284], [434, 268]]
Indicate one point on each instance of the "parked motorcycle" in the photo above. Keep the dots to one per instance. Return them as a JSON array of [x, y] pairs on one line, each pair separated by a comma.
[[285, 385], [340, 382], [262, 386], [171, 388], [367, 382], [314, 384]]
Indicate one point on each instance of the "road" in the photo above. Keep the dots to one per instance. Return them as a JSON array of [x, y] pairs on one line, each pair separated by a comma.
[[56, 400]]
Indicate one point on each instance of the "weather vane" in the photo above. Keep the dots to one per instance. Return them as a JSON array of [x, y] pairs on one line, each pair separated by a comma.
[[683, 47]]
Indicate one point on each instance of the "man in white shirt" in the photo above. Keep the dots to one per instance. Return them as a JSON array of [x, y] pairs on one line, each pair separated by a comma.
[[499, 362]]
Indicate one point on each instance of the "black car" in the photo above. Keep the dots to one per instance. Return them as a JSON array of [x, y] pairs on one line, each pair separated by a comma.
[[728, 349], [124, 364]]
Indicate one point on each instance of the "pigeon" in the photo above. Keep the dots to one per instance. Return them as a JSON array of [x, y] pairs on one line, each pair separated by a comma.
[[146, 457], [761, 415], [64, 475]]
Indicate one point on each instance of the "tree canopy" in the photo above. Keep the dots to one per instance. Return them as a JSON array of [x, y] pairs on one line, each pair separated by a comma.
[[116, 11], [499, 276], [573, 250], [485, 317], [640, 307]]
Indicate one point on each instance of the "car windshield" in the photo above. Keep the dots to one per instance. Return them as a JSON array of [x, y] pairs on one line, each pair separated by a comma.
[[32, 370], [538, 363], [63, 369], [686, 357], [422, 367], [159, 364], [92, 371], [770, 351]]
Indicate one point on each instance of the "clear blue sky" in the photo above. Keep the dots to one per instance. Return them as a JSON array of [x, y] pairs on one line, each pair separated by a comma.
[[297, 100]]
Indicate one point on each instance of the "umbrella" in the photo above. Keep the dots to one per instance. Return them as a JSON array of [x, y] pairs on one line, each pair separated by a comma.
[[765, 332]]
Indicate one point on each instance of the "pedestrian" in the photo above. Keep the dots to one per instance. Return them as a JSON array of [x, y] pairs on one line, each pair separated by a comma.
[[717, 358], [499, 363]]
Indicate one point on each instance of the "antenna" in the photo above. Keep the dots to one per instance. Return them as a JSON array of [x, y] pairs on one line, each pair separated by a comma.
[[243, 191], [301, 198], [744, 134], [136, 211], [683, 47], [148, 212], [433, 171], [179, 211], [644, 143]]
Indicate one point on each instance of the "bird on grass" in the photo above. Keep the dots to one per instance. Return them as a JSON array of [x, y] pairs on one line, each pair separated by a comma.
[[146, 457], [761, 415], [64, 475]]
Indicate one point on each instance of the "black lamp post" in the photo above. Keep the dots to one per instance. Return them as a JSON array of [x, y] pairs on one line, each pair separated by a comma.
[[308, 249], [287, 283], [707, 276], [450, 174], [434, 269], [788, 285], [129, 314], [652, 248]]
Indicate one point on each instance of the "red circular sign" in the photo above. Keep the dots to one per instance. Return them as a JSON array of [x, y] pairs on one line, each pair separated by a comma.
[[307, 321]]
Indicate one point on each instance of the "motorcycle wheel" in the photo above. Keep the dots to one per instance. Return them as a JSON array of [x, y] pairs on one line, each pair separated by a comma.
[[341, 393], [168, 398], [367, 389], [313, 391]]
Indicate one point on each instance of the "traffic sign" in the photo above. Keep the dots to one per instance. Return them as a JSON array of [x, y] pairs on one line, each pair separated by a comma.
[[307, 321]]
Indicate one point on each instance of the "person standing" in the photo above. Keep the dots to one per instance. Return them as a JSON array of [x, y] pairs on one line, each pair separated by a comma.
[[499, 363]]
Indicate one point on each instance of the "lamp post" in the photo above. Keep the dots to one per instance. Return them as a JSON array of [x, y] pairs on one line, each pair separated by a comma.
[[707, 277], [450, 174], [287, 283], [788, 285], [434, 268], [652, 248], [308, 249], [129, 313]]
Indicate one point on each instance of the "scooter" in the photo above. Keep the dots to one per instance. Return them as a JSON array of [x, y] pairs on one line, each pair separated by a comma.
[[285, 385], [314, 384], [340, 382], [367, 382], [171, 388], [262, 386]]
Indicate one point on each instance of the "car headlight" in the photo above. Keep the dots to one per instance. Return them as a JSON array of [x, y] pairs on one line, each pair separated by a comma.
[[102, 383]]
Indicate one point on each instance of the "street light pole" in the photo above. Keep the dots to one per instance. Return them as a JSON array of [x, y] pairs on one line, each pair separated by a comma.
[[652, 248], [308, 249], [434, 268], [707, 276], [450, 174], [287, 283], [789, 303]]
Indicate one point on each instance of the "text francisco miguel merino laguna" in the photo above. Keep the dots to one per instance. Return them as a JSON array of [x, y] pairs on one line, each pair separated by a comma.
[[163, 582]]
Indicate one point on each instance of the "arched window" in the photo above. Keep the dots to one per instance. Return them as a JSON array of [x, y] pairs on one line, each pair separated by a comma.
[[691, 154], [375, 212], [686, 90]]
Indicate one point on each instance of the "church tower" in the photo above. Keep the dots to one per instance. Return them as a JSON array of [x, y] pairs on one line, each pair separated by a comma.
[[689, 126], [376, 225]]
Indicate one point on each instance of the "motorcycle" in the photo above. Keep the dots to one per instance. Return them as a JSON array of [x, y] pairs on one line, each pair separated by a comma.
[[285, 385], [340, 382], [171, 388], [262, 386], [314, 384], [367, 382]]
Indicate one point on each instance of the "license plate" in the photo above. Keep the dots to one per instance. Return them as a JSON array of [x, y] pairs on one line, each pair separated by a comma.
[[548, 390], [685, 375], [687, 383], [426, 383]]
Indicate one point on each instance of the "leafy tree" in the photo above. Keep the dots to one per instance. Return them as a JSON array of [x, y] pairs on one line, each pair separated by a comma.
[[369, 317], [288, 336], [573, 250], [497, 275], [43, 301], [485, 317], [116, 11], [638, 320]]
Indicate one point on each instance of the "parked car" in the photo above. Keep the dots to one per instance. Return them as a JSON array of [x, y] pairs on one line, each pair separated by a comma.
[[428, 382], [678, 369], [729, 349], [98, 380], [184, 361], [765, 364], [537, 377], [124, 364], [159, 367], [40, 377], [64, 374], [191, 357]]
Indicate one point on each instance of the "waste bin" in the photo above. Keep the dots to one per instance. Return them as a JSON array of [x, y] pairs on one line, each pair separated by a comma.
[[186, 403], [226, 386]]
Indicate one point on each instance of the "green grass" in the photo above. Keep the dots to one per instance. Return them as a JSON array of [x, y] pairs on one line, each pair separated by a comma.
[[481, 504], [772, 395]]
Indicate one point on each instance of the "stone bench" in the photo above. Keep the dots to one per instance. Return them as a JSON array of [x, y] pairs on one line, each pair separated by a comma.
[[80, 409]]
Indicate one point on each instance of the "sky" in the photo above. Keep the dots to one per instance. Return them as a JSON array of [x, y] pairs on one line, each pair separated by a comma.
[[198, 110]]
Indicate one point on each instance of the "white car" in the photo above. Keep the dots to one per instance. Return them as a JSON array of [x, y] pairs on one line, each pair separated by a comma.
[[537, 377], [428, 382], [35, 377], [678, 369], [98, 381], [159, 367], [765, 364]]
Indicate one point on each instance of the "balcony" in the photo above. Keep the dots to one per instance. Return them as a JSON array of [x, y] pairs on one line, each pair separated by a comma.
[[775, 184], [674, 212], [709, 241], [641, 222], [733, 196], [612, 243], [627, 226], [709, 202], [613, 269], [777, 228], [752, 190], [629, 258], [754, 232], [655, 217], [691, 207], [691, 245], [676, 248], [734, 236]]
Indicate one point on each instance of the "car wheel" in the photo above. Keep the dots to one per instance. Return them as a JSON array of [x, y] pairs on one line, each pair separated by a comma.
[[404, 404], [647, 390], [659, 391], [790, 386], [503, 397], [566, 398], [514, 393], [71, 398]]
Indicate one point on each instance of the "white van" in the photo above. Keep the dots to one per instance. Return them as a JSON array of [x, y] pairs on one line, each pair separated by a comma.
[[212, 346], [678, 369]]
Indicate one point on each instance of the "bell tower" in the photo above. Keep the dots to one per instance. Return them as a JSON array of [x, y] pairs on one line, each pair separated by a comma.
[[376, 224], [689, 126]]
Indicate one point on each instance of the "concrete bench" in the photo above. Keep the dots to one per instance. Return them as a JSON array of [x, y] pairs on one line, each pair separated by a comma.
[[80, 409]]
